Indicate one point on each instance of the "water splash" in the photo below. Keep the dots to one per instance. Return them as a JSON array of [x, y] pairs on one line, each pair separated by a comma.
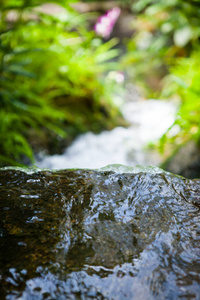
[[127, 146]]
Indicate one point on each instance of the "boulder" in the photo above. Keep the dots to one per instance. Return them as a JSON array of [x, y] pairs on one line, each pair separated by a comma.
[[186, 161], [114, 233]]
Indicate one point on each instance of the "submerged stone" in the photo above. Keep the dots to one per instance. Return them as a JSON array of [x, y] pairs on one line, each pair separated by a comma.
[[115, 233]]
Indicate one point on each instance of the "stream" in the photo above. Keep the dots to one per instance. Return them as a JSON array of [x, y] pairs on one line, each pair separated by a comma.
[[128, 146]]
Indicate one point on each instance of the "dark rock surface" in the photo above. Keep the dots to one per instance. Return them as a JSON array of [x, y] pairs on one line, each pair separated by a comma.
[[115, 233], [185, 162]]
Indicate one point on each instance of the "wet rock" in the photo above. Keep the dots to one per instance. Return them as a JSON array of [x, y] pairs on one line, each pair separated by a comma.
[[114, 233], [185, 162]]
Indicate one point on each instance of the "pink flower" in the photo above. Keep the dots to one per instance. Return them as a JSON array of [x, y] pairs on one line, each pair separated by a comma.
[[116, 76], [105, 23]]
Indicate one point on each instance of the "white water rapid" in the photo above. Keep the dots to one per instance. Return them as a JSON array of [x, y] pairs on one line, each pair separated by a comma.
[[127, 146]]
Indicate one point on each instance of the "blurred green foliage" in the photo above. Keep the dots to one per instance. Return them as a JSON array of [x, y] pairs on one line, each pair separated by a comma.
[[163, 59], [52, 72], [183, 81], [164, 30], [51, 79]]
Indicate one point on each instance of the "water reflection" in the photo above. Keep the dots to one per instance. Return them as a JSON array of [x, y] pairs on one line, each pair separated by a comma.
[[99, 234]]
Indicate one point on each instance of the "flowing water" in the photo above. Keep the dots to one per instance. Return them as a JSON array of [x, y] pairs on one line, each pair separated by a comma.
[[115, 233], [148, 122]]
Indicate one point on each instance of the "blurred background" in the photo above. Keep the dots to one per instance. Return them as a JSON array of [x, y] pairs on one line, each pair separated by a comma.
[[86, 84]]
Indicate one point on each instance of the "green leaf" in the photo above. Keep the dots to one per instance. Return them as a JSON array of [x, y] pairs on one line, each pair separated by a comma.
[[179, 81]]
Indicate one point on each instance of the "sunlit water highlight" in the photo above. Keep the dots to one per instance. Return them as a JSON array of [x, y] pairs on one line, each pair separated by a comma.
[[118, 233], [148, 121]]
